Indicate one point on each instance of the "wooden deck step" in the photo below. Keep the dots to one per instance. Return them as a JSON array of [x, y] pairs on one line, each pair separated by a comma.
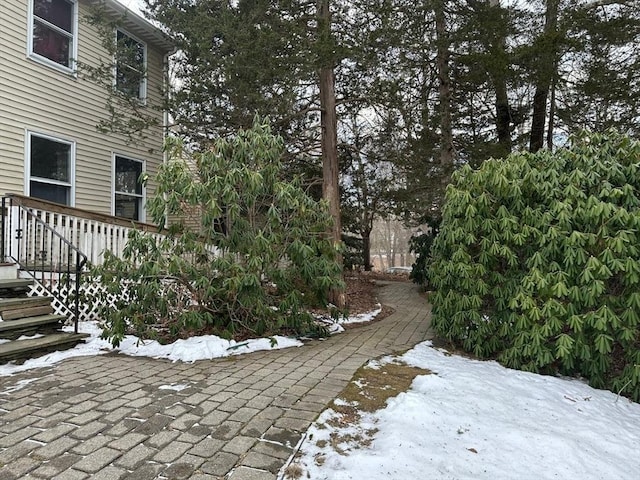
[[27, 312], [48, 267], [12, 287], [8, 270], [13, 303], [31, 348], [11, 283], [22, 307], [13, 329]]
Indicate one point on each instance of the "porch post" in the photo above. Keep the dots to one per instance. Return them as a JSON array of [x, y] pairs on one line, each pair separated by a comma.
[[15, 233], [3, 230]]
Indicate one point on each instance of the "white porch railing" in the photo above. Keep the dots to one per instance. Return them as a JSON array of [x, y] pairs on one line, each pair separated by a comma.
[[53, 244], [91, 233]]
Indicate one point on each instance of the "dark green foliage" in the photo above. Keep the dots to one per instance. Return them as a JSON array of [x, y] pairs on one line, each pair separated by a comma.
[[352, 257], [421, 246], [245, 254], [238, 59], [538, 261]]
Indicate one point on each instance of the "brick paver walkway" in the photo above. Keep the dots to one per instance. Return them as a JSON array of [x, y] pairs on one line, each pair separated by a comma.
[[107, 417]]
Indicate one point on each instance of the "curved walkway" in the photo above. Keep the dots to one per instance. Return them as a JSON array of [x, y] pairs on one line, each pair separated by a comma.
[[112, 417]]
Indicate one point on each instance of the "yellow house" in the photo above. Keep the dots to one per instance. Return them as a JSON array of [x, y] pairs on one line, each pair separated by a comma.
[[50, 148], [68, 191]]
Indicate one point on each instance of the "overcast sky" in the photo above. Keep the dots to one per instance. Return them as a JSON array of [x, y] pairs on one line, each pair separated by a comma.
[[135, 5]]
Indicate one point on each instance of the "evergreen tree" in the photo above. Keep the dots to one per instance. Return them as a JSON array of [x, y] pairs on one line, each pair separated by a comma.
[[458, 79]]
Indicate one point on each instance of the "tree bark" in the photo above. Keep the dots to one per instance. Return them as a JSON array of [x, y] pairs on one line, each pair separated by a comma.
[[394, 247], [546, 67], [366, 250], [328, 121], [552, 113], [389, 243], [447, 151], [498, 77], [503, 117]]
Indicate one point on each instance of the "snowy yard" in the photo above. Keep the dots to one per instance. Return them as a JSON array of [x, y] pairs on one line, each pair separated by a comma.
[[473, 420], [466, 420]]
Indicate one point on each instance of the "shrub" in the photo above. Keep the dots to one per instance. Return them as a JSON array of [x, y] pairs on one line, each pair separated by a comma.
[[352, 257], [245, 253], [421, 246], [538, 261]]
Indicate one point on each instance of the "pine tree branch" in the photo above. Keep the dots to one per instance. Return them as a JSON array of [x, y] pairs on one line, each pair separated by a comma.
[[603, 3]]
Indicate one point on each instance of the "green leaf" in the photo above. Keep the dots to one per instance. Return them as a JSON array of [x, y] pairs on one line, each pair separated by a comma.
[[603, 343]]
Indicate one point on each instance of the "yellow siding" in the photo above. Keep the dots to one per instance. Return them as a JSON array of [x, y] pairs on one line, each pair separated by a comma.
[[41, 99]]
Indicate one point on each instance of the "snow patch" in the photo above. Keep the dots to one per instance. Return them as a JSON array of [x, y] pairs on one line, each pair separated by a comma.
[[189, 350], [476, 420], [176, 387], [19, 385]]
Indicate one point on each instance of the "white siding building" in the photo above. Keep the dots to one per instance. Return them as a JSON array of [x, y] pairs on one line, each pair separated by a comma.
[[50, 147]]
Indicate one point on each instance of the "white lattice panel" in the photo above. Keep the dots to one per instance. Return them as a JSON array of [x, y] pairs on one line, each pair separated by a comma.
[[59, 290], [38, 290]]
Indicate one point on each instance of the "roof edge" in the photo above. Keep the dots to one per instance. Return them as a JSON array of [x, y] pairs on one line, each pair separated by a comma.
[[137, 25]]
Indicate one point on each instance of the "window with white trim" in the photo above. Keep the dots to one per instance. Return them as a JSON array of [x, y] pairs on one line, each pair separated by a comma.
[[131, 59], [128, 191], [50, 168], [53, 31]]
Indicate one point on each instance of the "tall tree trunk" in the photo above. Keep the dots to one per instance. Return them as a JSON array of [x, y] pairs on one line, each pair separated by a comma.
[[503, 116], [389, 243], [366, 249], [552, 113], [447, 151], [328, 121], [546, 66], [394, 247], [498, 77]]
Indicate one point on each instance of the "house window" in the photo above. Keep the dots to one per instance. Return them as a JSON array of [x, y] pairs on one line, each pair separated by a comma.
[[50, 163], [128, 192], [130, 66], [53, 31]]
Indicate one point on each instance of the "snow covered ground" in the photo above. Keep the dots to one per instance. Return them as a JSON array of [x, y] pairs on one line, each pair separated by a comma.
[[468, 420], [474, 420], [189, 350], [336, 326]]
